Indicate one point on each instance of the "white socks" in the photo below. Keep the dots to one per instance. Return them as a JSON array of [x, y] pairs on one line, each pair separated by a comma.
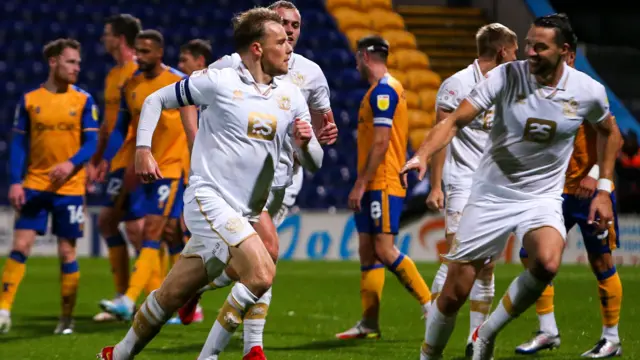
[[548, 323], [229, 318], [522, 293], [438, 331], [480, 300], [254, 322], [146, 324]]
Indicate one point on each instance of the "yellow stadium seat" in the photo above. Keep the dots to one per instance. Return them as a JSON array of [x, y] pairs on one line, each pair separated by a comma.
[[356, 34], [399, 39], [349, 19], [386, 20], [419, 119], [392, 61], [399, 75], [413, 100], [428, 99], [422, 80], [335, 4], [416, 137], [411, 59], [376, 4]]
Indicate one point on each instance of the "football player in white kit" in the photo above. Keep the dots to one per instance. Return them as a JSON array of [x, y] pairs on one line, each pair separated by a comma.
[[287, 183], [518, 185], [246, 114], [496, 44]]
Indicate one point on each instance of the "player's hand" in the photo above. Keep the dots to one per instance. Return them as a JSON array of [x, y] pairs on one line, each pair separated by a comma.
[[61, 172], [302, 132], [435, 200], [329, 132], [601, 211], [16, 196], [416, 163], [355, 196], [587, 188], [101, 170], [146, 167]]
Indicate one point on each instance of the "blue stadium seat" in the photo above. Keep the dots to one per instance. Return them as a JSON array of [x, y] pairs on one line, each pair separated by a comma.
[[25, 26]]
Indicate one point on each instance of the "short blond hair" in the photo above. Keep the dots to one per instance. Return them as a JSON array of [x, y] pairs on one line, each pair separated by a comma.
[[249, 26], [492, 37]]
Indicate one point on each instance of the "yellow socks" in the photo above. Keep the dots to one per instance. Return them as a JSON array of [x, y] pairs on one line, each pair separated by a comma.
[[12, 275], [371, 284], [119, 261], [69, 280], [408, 274], [147, 263]]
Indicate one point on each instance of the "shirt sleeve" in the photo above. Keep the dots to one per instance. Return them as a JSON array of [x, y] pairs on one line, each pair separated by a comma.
[[485, 93], [383, 101], [89, 133], [197, 89], [19, 143], [449, 94], [222, 63], [319, 101], [599, 105]]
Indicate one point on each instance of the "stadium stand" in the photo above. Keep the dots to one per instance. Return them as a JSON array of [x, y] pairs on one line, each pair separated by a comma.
[[411, 66]]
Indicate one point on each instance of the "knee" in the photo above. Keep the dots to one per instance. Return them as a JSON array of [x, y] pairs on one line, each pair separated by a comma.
[[367, 255], [546, 267], [171, 298], [134, 229], [66, 251], [262, 278], [22, 244], [107, 223], [153, 227], [601, 262], [386, 252], [449, 302]]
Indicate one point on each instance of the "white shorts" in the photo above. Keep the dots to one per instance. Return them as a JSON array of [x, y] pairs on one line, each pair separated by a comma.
[[456, 199], [214, 226], [485, 226]]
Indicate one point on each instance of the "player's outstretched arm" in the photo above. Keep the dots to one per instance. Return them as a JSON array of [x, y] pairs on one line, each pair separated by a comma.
[[439, 137], [608, 141], [480, 99], [435, 200], [197, 89], [189, 117]]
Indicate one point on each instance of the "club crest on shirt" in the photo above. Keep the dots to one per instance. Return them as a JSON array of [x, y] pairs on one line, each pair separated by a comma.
[[570, 108], [382, 101], [237, 95], [284, 102], [72, 112], [297, 78]]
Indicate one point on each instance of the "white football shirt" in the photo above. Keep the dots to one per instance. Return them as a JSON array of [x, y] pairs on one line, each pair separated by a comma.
[[310, 79], [534, 127], [243, 129], [466, 148]]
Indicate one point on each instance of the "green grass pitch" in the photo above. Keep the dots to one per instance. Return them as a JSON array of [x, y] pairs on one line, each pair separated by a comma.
[[311, 302]]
